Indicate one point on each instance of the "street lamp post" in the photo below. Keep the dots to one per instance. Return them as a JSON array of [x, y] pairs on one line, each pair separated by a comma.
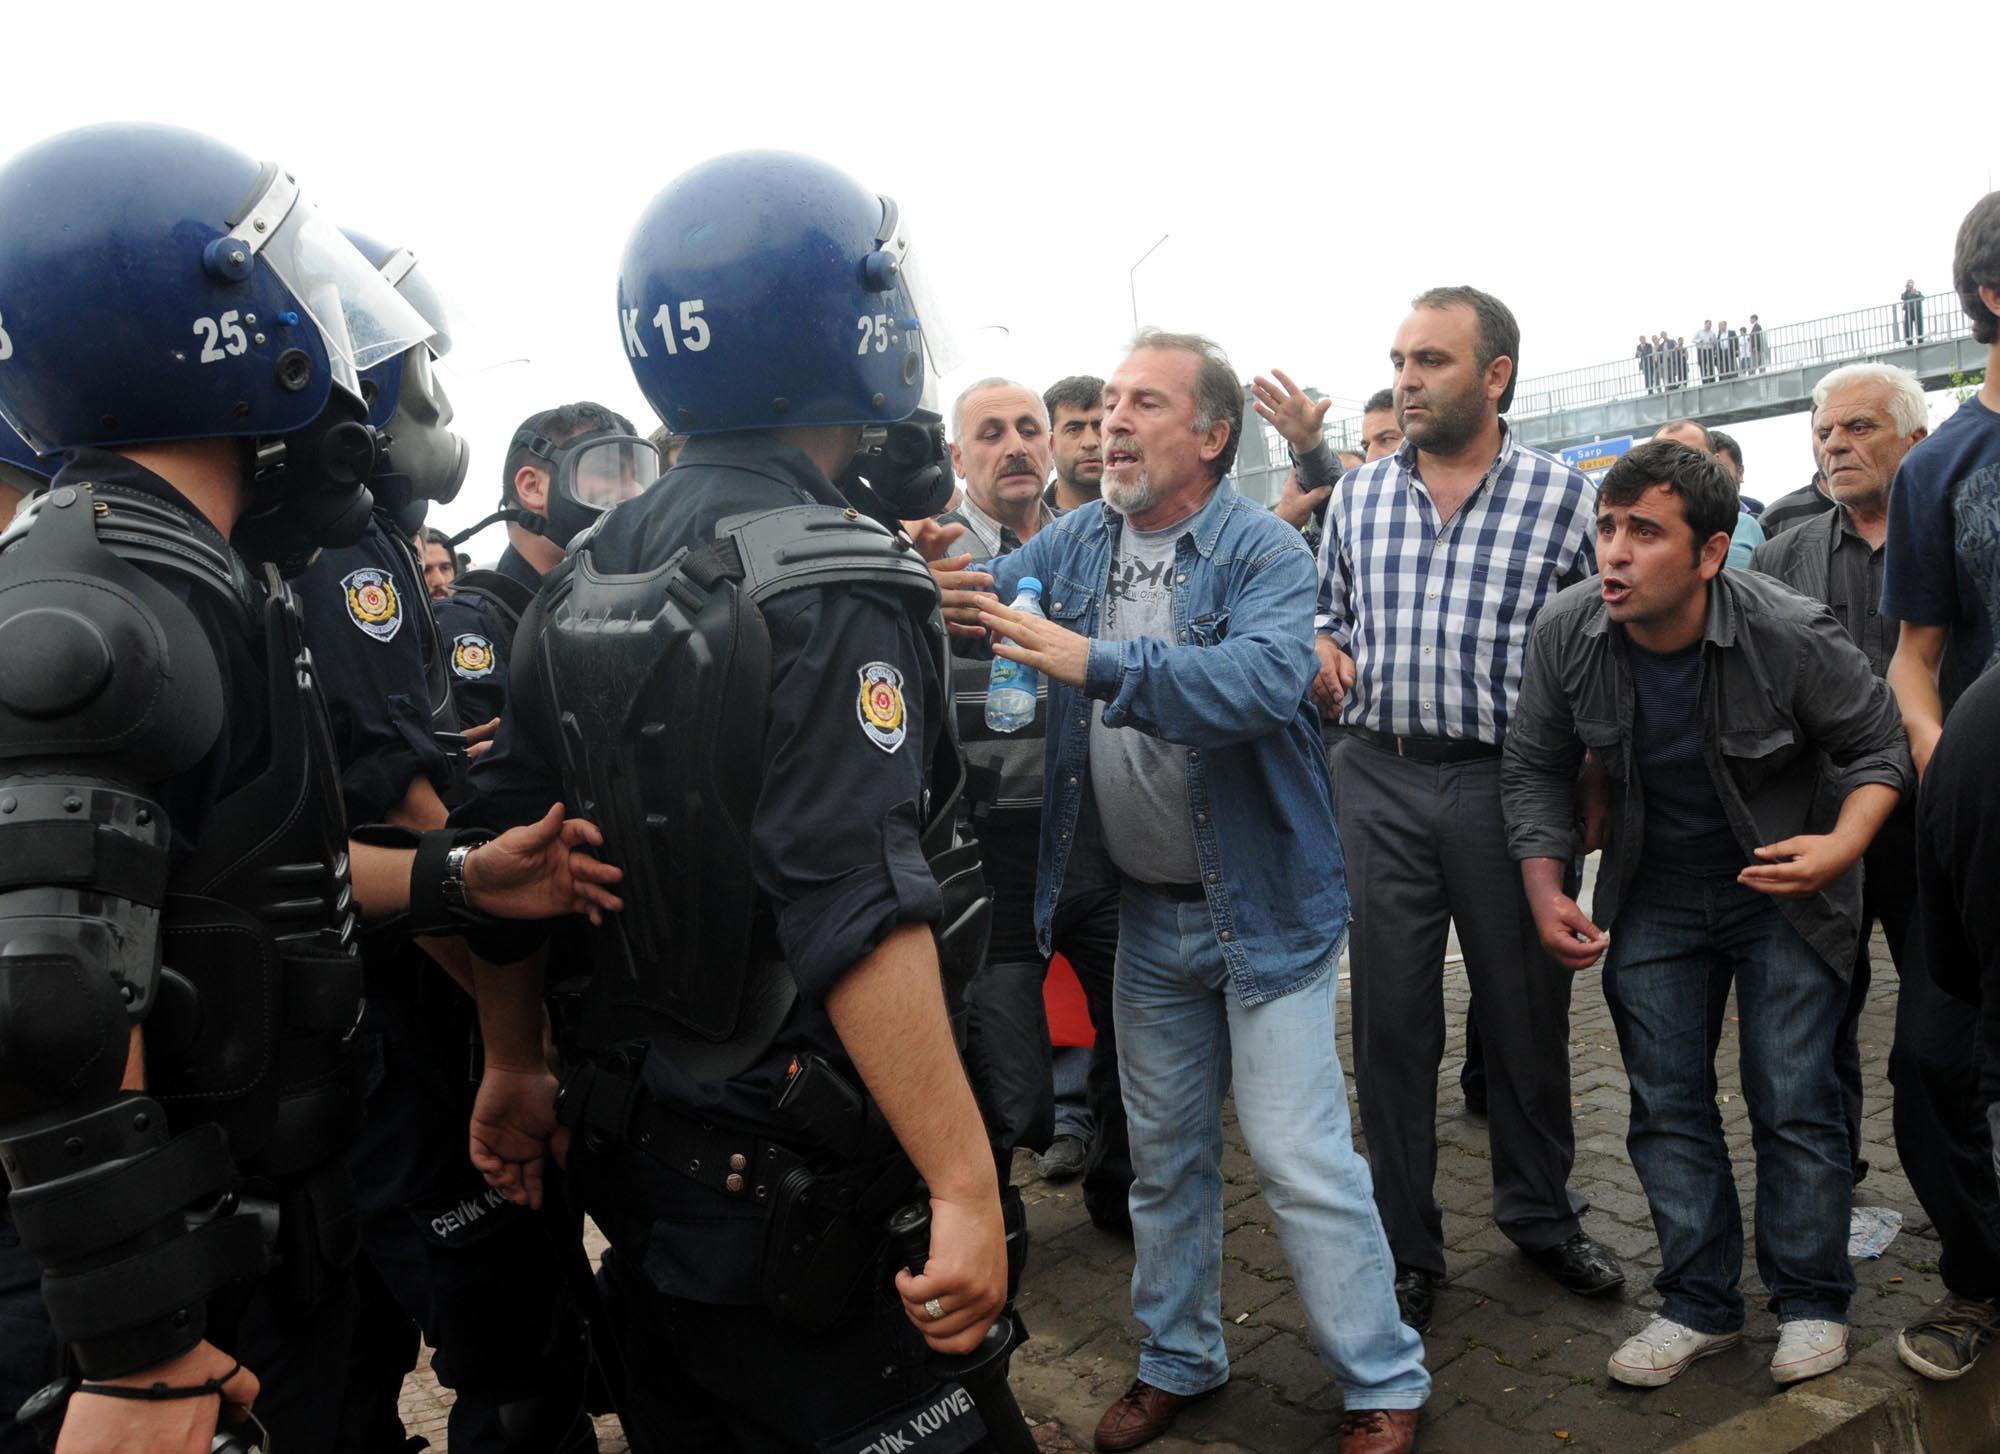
[[1132, 278]]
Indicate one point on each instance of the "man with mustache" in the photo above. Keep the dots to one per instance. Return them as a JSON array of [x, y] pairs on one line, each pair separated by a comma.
[[1182, 757], [1867, 418], [1752, 756], [1436, 559], [1002, 452]]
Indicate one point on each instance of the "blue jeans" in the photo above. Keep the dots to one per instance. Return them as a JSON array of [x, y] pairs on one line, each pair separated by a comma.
[[1674, 949], [1182, 1032], [1071, 1064]]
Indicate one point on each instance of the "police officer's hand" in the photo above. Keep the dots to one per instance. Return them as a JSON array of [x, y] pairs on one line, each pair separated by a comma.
[[95, 1424], [963, 594], [543, 870], [479, 740], [966, 1273], [514, 1127], [1058, 653]]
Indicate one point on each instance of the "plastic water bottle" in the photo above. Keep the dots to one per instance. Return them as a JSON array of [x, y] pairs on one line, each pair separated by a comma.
[[1010, 690]]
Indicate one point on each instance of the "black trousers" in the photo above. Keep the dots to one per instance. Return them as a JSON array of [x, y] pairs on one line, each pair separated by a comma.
[[1942, 1135], [477, 1274], [1084, 931], [729, 1377]]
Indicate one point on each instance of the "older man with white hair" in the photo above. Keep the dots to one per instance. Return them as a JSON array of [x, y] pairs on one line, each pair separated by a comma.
[[1866, 418]]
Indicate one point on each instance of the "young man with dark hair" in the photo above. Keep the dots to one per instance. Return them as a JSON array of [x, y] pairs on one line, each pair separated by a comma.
[[1076, 436], [1380, 431], [1730, 715], [440, 565], [1943, 575]]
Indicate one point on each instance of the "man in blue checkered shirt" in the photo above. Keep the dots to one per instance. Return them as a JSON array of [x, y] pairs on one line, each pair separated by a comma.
[[1435, 561]]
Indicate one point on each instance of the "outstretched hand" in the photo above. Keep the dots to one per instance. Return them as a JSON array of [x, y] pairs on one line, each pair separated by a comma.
[[543, 870], [1058, 653], [931, 538], [962, 594], [1289, 409]]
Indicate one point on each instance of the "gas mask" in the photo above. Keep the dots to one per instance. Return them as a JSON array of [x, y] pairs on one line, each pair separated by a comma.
[[902, 471]]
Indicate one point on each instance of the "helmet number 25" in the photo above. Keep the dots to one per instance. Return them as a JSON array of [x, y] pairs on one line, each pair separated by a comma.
[[875, 329], [6, 343], [693, 334], [227, 330]]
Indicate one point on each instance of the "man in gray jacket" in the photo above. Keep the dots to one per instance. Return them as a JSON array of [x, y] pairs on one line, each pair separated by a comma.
[[1752, 755]]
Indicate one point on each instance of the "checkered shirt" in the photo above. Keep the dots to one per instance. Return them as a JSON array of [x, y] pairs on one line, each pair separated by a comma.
[[1436, 613]]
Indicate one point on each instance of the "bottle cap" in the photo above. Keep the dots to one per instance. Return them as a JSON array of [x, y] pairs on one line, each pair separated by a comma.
[[1029, 583]]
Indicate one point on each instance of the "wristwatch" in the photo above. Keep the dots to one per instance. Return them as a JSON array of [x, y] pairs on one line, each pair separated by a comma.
[[452, 889]]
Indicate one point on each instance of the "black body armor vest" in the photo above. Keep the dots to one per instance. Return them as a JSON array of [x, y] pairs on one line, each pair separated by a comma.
[[652, 693]]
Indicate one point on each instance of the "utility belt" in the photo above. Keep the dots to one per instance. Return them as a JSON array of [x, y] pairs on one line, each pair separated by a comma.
[[825, 1240]]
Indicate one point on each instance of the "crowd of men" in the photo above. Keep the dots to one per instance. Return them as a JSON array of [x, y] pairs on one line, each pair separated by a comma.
[[669, 871], [1720, 352]]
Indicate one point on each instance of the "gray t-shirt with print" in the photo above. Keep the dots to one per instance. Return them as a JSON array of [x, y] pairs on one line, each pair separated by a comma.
[[1139, 781]]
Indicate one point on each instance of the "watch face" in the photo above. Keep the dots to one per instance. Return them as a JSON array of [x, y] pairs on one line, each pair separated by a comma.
[[44, 1401]]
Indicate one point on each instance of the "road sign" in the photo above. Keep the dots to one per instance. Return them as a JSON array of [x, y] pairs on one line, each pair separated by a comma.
[[1596, 458]]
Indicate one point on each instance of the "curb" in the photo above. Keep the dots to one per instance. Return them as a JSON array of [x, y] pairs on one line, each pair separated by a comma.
[[1872, 1406]]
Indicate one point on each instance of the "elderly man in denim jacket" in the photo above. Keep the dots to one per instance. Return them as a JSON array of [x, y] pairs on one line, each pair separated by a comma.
[[1183, 750]]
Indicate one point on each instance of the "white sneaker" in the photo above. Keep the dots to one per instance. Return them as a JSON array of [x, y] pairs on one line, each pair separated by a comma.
[[1661, 1351], [1808, 1347]]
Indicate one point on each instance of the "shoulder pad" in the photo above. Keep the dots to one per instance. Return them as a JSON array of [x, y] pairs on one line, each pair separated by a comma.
[[102, 660], [507, 595], [809, 545]]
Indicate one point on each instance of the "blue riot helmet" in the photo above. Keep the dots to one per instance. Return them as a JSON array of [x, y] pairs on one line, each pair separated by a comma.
[[157, 286], [21, 469], [768, 290], [421, 460]]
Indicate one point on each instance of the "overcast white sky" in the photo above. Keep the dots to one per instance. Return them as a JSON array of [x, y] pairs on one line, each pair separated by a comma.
[[1605, 169]]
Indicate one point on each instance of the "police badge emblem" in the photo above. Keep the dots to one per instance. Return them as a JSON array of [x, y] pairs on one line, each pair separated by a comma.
[[372, 602], [472, 656], [880, 705]]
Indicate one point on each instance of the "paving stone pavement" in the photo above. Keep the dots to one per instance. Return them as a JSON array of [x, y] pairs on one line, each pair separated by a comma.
[[1518, 1364]]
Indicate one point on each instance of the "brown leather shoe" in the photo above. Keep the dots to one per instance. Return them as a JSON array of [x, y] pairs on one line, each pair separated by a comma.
[[1378, 1431], [1142, 1413]]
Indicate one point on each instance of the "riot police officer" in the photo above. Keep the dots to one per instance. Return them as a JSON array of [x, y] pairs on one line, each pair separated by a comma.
[[477, 1278], [747, 677], [478, 620], [177, 981]]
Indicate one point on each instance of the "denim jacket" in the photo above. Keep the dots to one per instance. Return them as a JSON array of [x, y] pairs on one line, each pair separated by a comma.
[[1232, 687]]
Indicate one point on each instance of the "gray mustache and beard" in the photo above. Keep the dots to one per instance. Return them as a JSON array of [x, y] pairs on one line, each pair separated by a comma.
[[1129, 497]]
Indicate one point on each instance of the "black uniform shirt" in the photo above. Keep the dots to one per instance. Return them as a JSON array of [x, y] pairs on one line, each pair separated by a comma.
[[361, 606], [242, 747], [835, 832], [476, 641]]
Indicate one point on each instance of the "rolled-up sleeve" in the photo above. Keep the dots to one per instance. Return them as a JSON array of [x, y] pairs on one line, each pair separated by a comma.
[[836, 828], [1539, 760], [1849, 711]]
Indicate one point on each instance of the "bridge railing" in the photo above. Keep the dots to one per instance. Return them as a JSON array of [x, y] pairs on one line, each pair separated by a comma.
[[1837, 338]]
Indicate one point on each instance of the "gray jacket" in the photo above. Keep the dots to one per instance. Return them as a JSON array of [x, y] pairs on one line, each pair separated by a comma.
[[1792, 721]]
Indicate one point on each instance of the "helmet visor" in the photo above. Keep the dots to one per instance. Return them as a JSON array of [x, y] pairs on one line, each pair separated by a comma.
[[942, 349], [362, 317], [608, 470]]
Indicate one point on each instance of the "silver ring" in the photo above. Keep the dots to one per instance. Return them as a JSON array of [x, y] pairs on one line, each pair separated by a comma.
[[933, 1309]]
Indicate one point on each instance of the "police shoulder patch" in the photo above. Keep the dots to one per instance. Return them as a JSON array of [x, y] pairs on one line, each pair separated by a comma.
[[472, 656], [372, 602], [880, 705]]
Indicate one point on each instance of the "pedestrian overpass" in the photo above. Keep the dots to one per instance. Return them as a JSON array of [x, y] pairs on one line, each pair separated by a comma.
[[1609, 400]]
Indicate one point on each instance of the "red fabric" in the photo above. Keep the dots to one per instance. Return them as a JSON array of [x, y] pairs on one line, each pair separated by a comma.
[[1069, 1012]]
